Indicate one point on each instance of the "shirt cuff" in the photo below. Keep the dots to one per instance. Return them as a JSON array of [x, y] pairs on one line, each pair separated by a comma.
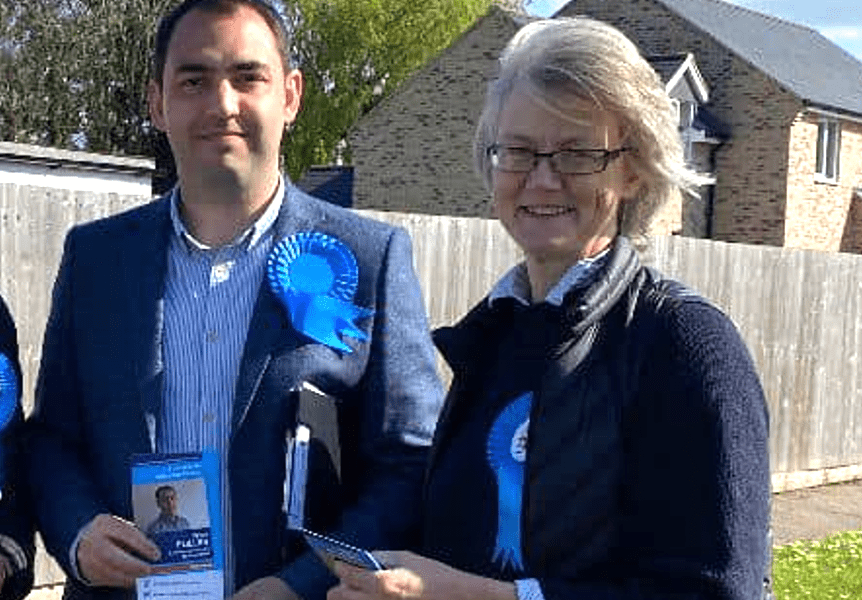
[[528, 589], [73, 556], [14, 552]]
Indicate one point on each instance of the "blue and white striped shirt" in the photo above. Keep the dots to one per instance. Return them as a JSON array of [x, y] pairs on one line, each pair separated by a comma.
[[209, 298]]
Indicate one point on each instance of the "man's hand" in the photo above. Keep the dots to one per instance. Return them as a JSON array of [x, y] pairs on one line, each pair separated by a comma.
[[111, 550], [415, 577], [266, 588]]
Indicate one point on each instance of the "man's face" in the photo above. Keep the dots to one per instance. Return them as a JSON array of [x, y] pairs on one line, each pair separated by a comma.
[[225, 99], [167, 502]]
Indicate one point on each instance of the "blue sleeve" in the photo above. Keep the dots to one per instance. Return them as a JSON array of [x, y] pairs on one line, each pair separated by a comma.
[[401, 397], [55, 429], [696, 491]]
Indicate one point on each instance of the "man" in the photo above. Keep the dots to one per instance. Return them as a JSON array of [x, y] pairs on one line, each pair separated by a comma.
[[16, 524], [165, 335], [168, 519]]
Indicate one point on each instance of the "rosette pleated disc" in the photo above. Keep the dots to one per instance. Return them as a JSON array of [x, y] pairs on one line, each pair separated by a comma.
[[313, 263]]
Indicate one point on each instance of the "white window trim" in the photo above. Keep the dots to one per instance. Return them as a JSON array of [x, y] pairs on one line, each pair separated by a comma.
[[825, 141], [676, 111]]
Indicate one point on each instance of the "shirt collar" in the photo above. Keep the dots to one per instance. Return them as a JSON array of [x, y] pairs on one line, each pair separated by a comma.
[[248, 238], [516, 282]]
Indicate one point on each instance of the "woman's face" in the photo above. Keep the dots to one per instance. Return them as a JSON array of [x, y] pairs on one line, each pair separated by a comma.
[[552, 216]]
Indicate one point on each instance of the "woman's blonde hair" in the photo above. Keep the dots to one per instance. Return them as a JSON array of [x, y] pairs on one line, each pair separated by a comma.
[[586, 59]]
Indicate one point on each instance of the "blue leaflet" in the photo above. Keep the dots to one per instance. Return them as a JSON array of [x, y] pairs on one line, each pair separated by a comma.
[[315, 276], [196, 479], [507, 454]]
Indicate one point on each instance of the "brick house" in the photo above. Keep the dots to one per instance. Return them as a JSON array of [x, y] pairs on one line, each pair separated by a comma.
[[783, 105]]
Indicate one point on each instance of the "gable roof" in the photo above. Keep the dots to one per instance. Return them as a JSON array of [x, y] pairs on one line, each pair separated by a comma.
[[798, 57], [674, 68]]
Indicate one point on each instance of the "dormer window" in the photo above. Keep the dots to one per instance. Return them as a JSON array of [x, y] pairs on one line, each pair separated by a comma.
[[828, 149], [686, 114]]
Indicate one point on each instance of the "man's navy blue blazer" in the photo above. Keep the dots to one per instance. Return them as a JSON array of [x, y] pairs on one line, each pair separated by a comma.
[[102, 372]]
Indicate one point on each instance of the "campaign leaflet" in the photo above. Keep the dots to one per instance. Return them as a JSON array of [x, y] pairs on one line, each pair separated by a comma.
[[176, 503]]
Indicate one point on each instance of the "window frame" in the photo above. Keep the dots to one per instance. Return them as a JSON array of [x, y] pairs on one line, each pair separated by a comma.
[[827, 157]]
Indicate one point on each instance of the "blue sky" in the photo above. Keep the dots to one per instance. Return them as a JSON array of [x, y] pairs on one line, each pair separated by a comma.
[[838, 20]]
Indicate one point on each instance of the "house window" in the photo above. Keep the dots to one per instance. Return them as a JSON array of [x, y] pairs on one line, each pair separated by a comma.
[[828, 149]]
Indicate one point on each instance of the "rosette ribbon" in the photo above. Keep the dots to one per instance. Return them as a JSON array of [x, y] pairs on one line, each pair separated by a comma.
[[315, 276], [507, 455]]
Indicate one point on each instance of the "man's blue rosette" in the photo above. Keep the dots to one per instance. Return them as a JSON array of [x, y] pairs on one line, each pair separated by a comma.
[[507, 455], [8, 391], [315, 276]]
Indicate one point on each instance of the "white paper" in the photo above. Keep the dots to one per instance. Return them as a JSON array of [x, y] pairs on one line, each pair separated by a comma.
[[182, 585]]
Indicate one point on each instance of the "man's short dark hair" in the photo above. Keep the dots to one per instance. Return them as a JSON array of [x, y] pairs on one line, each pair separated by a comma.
[[164, 488], [169, 22]]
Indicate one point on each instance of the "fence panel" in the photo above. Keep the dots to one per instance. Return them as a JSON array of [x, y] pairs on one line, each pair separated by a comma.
[[798, 311]]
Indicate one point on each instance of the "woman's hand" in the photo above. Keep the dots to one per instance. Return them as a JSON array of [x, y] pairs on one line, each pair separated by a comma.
[[415, 577]]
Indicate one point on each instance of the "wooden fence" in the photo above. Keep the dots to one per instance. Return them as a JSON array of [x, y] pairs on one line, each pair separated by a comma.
[[800, 312], [33, 225]]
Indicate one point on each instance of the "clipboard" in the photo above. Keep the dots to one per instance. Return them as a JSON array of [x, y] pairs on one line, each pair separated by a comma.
[[313, 458]]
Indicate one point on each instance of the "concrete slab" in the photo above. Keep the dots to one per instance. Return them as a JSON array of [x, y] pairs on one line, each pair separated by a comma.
[[815, 513]]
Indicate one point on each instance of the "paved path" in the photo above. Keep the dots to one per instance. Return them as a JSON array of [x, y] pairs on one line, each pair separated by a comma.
[[814, 513]]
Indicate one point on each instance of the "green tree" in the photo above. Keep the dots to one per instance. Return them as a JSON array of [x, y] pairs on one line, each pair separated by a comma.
[[353, 52], [75, 73]]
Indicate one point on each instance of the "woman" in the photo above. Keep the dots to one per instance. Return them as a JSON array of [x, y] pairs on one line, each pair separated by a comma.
[[605, 435]]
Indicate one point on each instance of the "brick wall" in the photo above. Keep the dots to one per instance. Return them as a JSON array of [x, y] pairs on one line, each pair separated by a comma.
[[413, 152], [850, 184], [821, 215], [852, 238]]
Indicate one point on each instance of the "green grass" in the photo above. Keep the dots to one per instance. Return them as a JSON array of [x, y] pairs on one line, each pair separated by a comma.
[[828, 569]]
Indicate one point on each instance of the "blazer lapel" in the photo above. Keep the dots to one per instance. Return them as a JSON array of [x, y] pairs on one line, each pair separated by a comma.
[[145, 284], [269, 322]]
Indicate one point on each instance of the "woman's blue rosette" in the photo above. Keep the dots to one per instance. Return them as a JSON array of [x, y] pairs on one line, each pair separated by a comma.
[[315, 276], [8, 391], [507, 455]]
